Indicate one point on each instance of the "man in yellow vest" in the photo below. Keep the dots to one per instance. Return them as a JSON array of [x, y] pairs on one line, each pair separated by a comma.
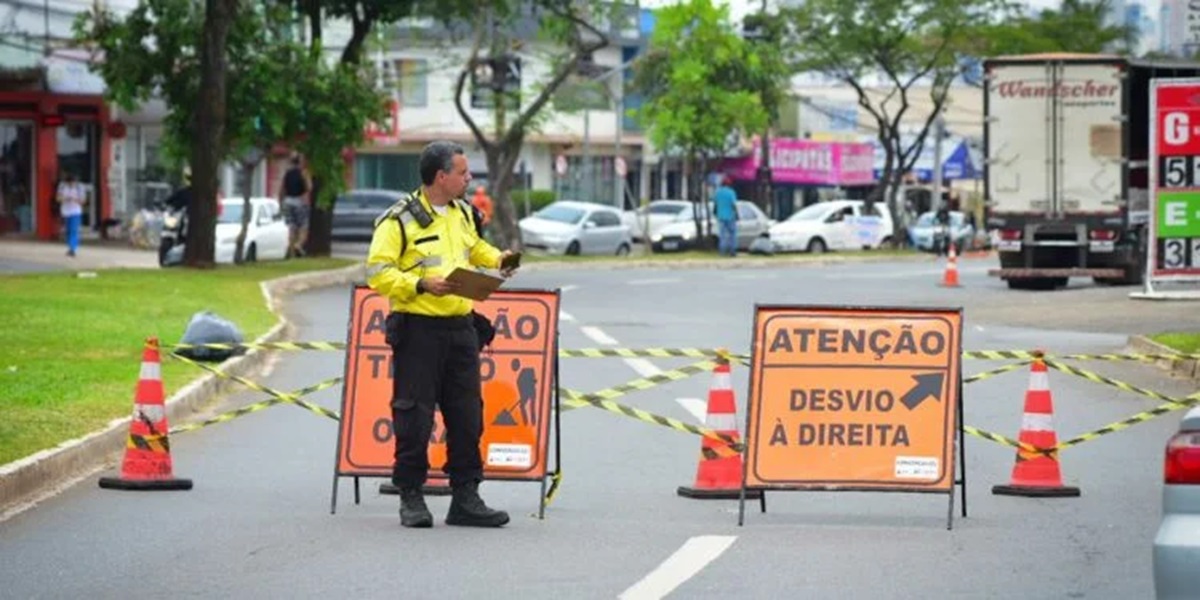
[[435, 335]]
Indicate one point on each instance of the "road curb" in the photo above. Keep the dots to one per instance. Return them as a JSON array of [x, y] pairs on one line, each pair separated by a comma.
[[1184, 369], [727, 263], [28, 481]]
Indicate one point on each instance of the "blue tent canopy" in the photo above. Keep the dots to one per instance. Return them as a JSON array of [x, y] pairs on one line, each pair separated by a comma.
[[957, 164]]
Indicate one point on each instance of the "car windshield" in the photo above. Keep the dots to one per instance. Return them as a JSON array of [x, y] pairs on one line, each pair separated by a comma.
[[231, 212], [812, 212], [560, 214]]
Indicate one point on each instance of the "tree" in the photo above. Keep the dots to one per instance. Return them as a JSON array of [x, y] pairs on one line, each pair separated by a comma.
[[907, 43], [1076, 26], [564, 23], [277, 91], [701, 84]]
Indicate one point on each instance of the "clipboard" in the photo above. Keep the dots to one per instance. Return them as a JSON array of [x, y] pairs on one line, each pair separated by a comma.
[[473, 284]]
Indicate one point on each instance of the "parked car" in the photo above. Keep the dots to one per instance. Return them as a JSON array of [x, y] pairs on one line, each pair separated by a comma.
[[266, 233], [833, 225], [570, 227], [680, 234], [656, 214], [1177, 544], [923, 233], [354, 212]]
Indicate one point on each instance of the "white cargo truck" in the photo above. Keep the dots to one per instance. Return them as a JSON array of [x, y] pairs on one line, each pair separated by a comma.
[[1066, 141]]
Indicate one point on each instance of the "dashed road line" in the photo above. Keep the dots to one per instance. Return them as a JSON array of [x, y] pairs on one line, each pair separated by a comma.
[[694, 555], [598, 336]]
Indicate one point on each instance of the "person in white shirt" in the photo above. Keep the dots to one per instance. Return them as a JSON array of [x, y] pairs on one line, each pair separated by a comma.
[[72, 196]]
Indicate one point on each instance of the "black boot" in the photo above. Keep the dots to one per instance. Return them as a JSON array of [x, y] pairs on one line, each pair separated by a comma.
[[413, 512], [467, 508]]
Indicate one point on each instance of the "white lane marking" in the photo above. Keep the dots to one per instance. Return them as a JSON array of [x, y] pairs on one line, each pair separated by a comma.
[[565, 316], [598, 336], [643, 367], [696, 407], [688, 560], [753, 276], [567, 288], [651, 281]]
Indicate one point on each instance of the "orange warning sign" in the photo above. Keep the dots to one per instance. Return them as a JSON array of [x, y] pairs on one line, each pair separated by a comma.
[[516, 371], [845, 398]]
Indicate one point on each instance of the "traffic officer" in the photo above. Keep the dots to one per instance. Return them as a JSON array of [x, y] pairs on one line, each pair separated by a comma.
[[432, 332]]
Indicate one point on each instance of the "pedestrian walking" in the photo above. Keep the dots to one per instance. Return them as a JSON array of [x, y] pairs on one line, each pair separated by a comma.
[[435, 335], [294, 197], [725, 201], [72, 197]]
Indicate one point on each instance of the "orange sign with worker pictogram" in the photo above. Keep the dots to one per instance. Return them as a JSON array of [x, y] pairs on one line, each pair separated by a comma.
[[854, 399], [517, 372]]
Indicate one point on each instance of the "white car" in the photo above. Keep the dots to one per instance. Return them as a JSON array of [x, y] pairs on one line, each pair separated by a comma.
[[833, 225], [572, 228], [680, 234], [654, 216], [266, 233]]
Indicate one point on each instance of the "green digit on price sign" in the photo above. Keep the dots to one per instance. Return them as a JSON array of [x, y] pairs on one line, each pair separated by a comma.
[[1178, 214]]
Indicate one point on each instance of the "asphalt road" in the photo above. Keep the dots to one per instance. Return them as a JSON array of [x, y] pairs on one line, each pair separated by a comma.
[[257, 523]]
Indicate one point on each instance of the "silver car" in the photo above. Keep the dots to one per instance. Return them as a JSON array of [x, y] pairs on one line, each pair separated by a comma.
[[569, 227], [354, 212], [1177, 545]]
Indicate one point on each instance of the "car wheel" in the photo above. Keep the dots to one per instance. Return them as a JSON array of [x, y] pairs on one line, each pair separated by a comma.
[[623, 250], [816, 246], [252, 253], [573, 249]]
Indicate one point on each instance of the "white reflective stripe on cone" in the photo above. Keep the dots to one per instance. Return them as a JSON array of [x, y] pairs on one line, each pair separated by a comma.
[[721, 381], [721, 422], [1037, 422], [1039, 381], [153, 412], [151, 370]]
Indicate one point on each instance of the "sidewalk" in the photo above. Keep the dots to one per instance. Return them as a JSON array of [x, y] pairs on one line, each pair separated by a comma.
[[25, 255]]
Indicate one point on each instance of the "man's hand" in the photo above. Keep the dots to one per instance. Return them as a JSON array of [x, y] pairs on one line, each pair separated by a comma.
[[438, 286], [507, 272]]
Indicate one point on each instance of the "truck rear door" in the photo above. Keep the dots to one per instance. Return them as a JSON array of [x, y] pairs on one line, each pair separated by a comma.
[[1019, 128], [1089, 145]]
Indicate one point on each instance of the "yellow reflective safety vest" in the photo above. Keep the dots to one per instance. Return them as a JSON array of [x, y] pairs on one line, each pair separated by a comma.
[[403, 251]]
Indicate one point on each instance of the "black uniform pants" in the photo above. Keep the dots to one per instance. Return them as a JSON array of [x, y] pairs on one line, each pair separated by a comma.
[[435, 363]]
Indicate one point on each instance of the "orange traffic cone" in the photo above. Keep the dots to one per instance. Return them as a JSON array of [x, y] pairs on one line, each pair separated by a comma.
[[719, 478], [950, 275], [147, 462], [1036, 474]]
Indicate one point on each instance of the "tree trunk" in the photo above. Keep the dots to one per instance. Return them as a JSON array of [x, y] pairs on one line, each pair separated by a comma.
[[209, 129], [500, 161], [320, 225]]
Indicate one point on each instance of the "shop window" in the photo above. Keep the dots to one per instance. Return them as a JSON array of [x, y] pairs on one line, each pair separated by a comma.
[[16, 176], [396, 172]]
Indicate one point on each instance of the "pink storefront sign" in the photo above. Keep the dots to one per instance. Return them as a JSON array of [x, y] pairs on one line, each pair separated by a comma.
[[807, 162]]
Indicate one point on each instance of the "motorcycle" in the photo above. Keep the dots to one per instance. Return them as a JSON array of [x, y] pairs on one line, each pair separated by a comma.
[[941, 239], [174, 235]]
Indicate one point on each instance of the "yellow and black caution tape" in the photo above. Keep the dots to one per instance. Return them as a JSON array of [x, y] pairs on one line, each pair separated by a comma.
[[1097, 378], [257, 406], [281, 396], [995, 372], [1131, 356], [577, 399], [641, 353], [555, 482], [1000, 354], [1173, 404], [732, 447], [327, 346], [152, 443]]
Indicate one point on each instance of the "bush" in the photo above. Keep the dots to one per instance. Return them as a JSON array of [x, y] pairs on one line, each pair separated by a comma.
[[538, 199]]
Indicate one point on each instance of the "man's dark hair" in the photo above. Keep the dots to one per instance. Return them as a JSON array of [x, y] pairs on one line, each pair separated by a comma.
[[438, 156]]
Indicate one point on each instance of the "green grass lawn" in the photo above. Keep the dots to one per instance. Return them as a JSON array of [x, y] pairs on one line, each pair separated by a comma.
[[70, 348], [1182, 342]]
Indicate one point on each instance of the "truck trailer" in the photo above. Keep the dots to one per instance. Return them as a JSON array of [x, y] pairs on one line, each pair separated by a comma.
[[1066, 144]]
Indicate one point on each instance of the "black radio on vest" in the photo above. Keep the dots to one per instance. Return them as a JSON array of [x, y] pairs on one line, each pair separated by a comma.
[[294, 184]]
